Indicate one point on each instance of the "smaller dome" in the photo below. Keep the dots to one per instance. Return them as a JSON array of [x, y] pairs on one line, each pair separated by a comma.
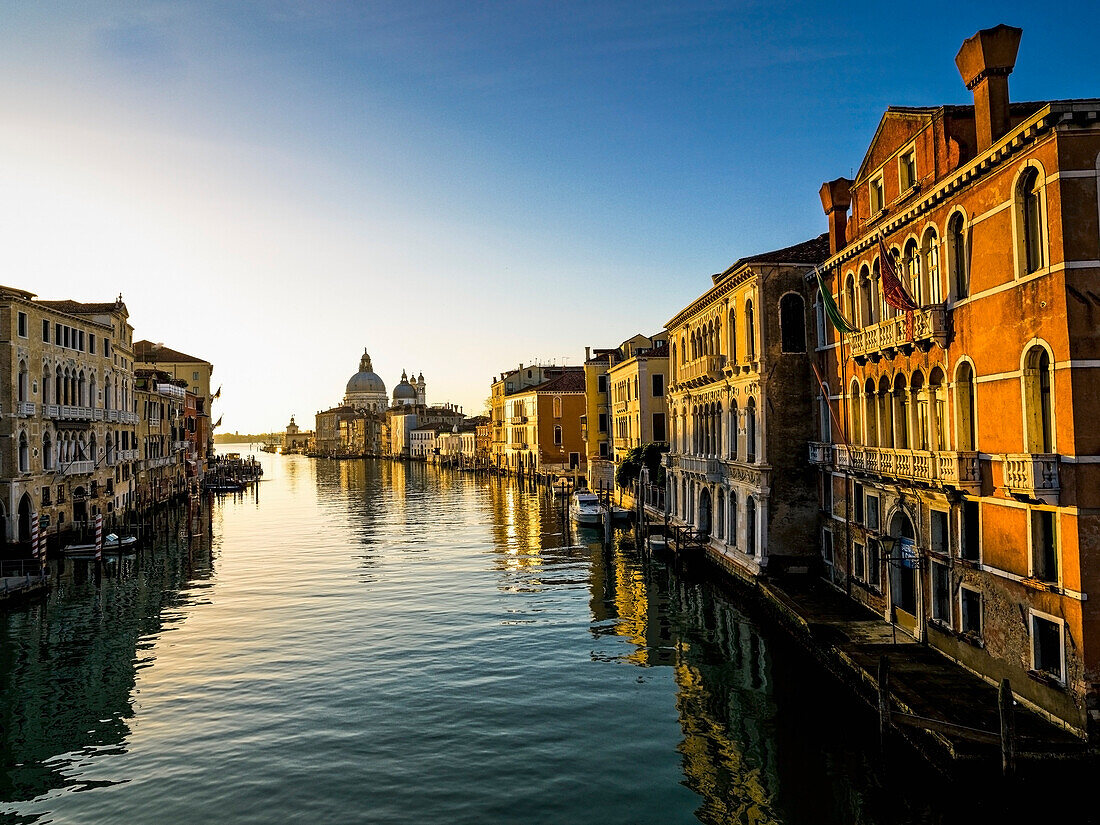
[[404, 391]]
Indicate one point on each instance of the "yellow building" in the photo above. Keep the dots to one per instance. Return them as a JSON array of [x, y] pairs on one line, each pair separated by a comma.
[[162, 439], [181, 366], [509, 383], [638, 408]]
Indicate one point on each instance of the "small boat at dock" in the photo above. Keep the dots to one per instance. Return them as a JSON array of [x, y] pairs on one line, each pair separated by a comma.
[[112, 543], [585, 508]]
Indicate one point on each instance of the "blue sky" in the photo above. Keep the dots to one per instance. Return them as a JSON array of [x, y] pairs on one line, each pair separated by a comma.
[[459, 186]]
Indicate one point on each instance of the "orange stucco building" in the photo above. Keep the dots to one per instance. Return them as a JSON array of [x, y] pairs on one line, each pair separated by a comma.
[[959, 455]]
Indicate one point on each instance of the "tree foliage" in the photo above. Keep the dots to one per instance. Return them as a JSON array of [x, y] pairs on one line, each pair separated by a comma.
[[648, 456]]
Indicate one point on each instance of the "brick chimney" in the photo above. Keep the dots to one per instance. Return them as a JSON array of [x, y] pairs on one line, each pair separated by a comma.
[[835, 200], [985, 61]]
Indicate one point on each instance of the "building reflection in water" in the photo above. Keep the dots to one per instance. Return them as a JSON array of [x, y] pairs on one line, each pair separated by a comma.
[[68, 664]]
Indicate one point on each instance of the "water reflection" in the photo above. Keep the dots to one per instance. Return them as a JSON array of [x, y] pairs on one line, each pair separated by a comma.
[[68, 664]]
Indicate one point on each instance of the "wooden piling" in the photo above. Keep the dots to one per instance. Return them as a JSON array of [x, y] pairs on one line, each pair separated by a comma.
[[1008, 728], [883, 701]]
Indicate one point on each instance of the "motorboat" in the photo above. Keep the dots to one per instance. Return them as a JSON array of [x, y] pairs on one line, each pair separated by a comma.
[[562, 486], [112, 543], [585, 508], [225, 485]]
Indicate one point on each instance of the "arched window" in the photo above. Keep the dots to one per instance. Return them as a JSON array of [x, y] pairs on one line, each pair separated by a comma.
[[24, 382], [81, 390], [672, 364], [885, 413], [1032, 223], [720, 511], [750, 431], [557, 406], [92, 391], [912, 269], [733, 336], [930, 253], [870, 419], [956, 248], [849, 302], [750, 526], [557, 435], [855, 424], [900, 402], [919, 413], [47, 451], [733, 430], [24, 454], [937, 399], [868, 311], [47, 385], [1038, 409], [882, 309], [750, 332], [966, 422], [792, 322]]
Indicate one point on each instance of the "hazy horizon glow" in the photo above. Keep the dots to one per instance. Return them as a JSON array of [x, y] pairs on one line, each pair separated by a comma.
[[274, 186]]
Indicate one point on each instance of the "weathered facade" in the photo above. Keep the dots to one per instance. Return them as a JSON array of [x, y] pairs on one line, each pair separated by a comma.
[[69, 429], [960, 478], [740, 410]]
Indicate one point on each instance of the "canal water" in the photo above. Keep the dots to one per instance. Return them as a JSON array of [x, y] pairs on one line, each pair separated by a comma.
[[362, 641]]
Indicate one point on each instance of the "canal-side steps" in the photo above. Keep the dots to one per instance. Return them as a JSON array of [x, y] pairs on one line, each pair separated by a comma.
[[952, 716]]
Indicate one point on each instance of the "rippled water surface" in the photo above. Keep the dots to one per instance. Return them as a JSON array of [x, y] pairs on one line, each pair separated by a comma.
[[387, 643]]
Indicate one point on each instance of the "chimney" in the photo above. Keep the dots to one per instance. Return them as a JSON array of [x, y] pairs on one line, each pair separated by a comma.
[[985, 61], [835, 200], [587, 353]]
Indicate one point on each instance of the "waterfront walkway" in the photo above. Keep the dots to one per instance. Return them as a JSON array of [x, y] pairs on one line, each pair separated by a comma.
[[15, 587], [850, 639]]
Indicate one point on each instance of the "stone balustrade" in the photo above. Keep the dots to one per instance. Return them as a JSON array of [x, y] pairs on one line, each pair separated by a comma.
[[929, 325], [1032, 476]]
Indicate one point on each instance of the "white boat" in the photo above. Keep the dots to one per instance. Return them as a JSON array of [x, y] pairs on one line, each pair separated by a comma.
[[112, 543], [562, 486], [585, 508]]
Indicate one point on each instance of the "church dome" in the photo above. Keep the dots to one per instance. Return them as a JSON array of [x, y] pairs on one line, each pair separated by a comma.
[[366, 380], [404, 391]]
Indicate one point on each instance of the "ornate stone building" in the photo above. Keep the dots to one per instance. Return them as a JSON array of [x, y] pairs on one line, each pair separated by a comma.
[[740, 412]]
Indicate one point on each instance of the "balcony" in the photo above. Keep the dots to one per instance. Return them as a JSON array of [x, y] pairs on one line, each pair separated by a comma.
[[929, 327], [702, 370], [518, 419], [1032, 476], [51, 410], [79, 467], [945, 469], [97, 414], [517, 445], [821, 453], [25, 408], [71, 412], [112, 415]]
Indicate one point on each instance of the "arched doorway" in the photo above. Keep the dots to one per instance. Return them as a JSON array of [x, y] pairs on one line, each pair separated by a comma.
[[903, 572], [25, 509], [80, 507], [704, 511]]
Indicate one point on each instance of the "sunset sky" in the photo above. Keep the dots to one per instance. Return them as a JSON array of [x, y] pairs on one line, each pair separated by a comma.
[[458, 187]]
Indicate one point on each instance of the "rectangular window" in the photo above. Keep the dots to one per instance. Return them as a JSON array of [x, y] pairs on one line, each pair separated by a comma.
[[658, 385], [872, 512], [1047, 648], [659, 433], [603, 422], [827, 546], [65, 337], [80, 340], [91, 344], [106, 348], [968, 531], [857, 495], [45, 495], [195, 376], [603, 449], [941, 593], [1044, 546], [22, 322], [941, 542], [874, 575], [57, 334], [907, 170], [46, 332], [827, 493], [970, 603], [878, 198], [859, 562], [601, 383]]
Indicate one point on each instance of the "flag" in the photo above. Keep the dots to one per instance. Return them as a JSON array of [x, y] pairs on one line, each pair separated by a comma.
[[893, 290], [831, 309], [218, 394], [829, 403], [218, 423], [99, 537]]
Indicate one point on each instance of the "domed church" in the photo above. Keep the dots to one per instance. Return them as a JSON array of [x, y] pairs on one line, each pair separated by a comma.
[[366, 390], [409, 394]]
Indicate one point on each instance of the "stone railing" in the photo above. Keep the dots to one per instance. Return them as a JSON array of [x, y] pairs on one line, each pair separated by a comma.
[[51, 410], [944, 468], [517, 419], [25, 408], [821, 453], [112, 415], [517, 445], [702, 370], [79, 467], [693, 464], [97, 414], [72, 412], [1032, 475], [929, 324], [670, 461]]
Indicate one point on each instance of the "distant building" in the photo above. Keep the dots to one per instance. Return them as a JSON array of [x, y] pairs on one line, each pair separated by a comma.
[[294, 439], [544, 425], [195, 371]]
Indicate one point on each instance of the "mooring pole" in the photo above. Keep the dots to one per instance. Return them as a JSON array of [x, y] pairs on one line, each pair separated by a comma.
[[1008, 728], [883, 701]]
